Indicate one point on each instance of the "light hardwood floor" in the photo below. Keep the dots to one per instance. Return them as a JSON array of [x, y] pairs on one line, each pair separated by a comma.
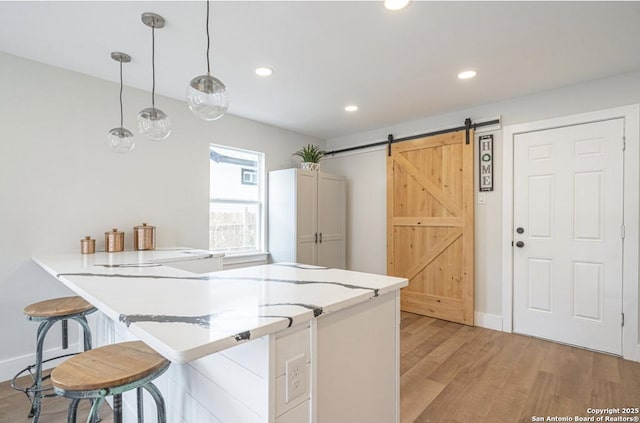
[[14, 407], [455, 373]]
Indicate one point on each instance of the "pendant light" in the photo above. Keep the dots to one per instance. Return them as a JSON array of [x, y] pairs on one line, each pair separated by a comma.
[[207, 95], [153, 122], [120, 139]]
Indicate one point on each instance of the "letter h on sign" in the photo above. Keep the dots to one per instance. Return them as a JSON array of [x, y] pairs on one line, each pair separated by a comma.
[[486, 162]]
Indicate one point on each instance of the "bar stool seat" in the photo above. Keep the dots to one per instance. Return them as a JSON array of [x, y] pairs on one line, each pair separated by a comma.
[[111, 370], [57, 307], [48, 313]]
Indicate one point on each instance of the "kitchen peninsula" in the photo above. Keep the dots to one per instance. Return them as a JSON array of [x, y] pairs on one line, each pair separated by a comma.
[[279, 343]]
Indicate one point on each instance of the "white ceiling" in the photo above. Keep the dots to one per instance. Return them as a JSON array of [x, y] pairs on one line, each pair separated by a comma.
[[396, 66]]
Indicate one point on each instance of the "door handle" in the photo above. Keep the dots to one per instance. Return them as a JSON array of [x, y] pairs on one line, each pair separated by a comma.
[[519, 244], [320, 237], [520, 230], [316, 240]]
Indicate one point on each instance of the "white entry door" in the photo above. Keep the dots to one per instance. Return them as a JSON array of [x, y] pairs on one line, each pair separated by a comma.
[[568, 203]]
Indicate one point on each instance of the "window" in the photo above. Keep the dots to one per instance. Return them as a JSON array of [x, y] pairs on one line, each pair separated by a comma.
[[236, 209]]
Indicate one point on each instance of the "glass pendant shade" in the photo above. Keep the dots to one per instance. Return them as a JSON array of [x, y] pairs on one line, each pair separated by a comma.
[[154, 124], [207, 97], [120, 140]]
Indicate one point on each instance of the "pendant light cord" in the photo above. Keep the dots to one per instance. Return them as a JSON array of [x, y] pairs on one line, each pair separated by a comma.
[[153, 67], [208, 41], [121, 114]]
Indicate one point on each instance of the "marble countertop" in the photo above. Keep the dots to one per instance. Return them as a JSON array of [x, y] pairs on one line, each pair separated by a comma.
[[185, 316]]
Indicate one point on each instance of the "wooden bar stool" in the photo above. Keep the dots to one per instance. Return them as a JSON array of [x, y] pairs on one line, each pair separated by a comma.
[[49, 312], [111, 370]]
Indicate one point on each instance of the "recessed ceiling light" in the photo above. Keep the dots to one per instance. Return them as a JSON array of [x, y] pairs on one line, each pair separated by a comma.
[[351, 108], [264, 71], [395, 4], [467, 74]]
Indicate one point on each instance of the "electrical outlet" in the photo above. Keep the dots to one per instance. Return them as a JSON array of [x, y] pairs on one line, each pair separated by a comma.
[[296, 378]]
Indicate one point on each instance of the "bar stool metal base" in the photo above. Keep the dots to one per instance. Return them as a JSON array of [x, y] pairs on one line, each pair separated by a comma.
[[36, 392], [74, 383], [98, 399]]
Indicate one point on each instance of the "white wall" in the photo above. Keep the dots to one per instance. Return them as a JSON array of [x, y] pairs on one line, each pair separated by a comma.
[[366, 207], [59, 182], [365, 172]]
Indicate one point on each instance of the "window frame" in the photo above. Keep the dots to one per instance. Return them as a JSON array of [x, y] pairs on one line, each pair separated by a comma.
[[261, 231]]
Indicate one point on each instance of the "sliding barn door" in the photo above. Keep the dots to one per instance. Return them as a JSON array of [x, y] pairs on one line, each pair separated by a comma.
[[430, 224]]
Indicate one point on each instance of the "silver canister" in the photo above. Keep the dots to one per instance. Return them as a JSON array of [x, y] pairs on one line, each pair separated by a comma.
[[114, 241], [144, 237], [87, 245]]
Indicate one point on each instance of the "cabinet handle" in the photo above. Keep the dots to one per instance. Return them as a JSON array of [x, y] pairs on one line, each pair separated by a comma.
[[316, 235], [320, 237]]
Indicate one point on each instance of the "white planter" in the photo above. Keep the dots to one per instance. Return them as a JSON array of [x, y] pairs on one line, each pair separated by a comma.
[[310, 166]]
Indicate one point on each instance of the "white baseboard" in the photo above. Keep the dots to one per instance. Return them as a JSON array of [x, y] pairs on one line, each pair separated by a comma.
[[488, 321], [637, 357], [11, 366]]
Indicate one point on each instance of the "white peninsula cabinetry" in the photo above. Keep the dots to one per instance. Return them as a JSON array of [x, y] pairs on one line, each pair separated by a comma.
[[279, 343], [307, 218]]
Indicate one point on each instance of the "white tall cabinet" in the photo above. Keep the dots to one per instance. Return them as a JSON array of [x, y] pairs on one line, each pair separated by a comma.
[[307, 217]]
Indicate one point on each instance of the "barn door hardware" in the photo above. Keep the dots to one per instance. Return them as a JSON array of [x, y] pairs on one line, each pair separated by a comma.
[[468, 125]]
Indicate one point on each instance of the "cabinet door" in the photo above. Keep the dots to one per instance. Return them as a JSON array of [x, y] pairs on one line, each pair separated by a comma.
[[331, 221], [307, 204]]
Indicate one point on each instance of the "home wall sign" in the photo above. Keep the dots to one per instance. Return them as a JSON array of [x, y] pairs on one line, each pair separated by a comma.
[[486, 162]]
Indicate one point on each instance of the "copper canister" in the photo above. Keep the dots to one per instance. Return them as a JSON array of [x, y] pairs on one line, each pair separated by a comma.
[[87, 245], [113, 241], [144, 237]]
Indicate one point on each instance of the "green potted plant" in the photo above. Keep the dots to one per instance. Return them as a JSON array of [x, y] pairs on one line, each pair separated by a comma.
[[310, 155]]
